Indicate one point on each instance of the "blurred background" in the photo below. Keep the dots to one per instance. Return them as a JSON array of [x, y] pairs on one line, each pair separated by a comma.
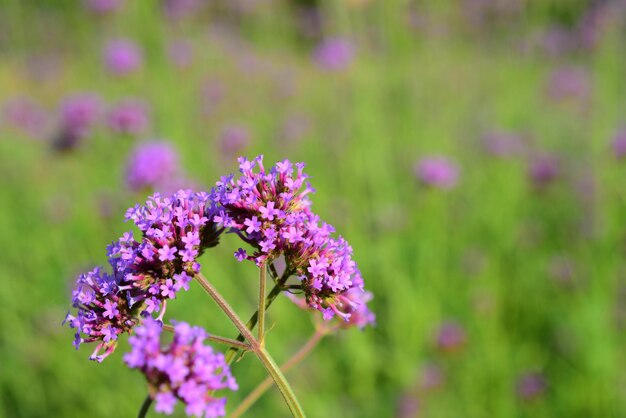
[[471, 151]]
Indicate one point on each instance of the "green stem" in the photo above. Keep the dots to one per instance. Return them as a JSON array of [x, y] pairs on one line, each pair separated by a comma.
[[267, 383], [216, 338], [259, 350], [261, 309], [145, 406], [271, 296]]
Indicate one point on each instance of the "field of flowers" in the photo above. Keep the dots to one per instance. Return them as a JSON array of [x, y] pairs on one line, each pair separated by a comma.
[[472, 152]]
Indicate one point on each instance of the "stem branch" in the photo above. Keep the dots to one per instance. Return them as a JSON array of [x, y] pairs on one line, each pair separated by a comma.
[[145, 406], [267, 383], [261, 309], [267, 360]]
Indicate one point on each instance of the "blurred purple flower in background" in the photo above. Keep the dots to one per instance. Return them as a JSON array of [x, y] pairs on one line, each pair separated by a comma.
[[180, 53], [150, 165], [103, 6], [543, 170], [438, 172], [26, 115], [122, 56], [568, 83], [531, 385], [78, 114], [233, 140], [432, 377], [129, 116], [450, 337], [334, 54], [619, 144], [179, 9], [502, 144]]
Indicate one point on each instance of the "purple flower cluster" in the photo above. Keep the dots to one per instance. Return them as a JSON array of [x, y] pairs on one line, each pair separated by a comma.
[[437, 172], [80, 112], [103, 6], [175, 231], [334, 54], [103, 313], [129, 117], [146, 273], [186, 370], [151, 165], [271, 212], [122, 57]]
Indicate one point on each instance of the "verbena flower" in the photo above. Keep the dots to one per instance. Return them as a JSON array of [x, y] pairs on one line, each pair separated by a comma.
[[175, 230], [438, 172], [270, 210], [103, 6], [129, 116], [150, 165], [180, 53], [147, 272], [334, 54], [186, 370], [122, 57], [531, 385], [543, 170], [78, 114], [102, 312], [26, 115]]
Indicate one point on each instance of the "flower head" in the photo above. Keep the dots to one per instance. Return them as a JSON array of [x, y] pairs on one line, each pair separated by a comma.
[[78, 114], [186, 370], [175, 230], [129, 117], [151, 165], [102, 312], [438, 172], [334, 54], [26, 115], [270, 210], [103, 6], [122, 57], [543, 170]]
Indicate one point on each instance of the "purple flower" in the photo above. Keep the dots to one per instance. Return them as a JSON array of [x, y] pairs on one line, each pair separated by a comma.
[[233, 140], [568, 83], [185, 370], [151, 165], [178, 9], [438, 172], [334, 54], [543, 170], [180, 53], [25, 115], [271, 211], [503, 144], [78, 115], [450, 337], [129, 117], [103, 6], [122, 57], [531, 385], [165, 221], [619, 144], [102, 312]]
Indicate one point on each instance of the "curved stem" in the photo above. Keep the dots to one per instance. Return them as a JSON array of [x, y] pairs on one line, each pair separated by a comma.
[[267, 383], [261, 308], [216, 338], [267, 360], [271, 296], [145, 406]]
